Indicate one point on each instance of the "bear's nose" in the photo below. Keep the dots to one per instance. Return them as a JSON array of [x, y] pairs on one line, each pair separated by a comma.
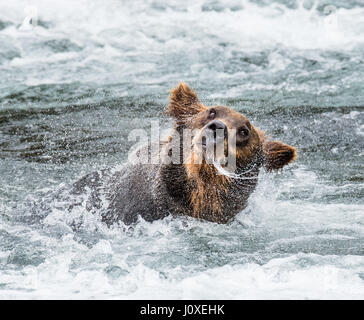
[[217, 124]]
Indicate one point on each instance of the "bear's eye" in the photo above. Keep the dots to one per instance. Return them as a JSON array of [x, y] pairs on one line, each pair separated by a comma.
[[244, 132], [212, 114]]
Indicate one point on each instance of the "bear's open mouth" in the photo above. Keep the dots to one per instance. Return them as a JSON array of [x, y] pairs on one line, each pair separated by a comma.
[[203, 143], [208, 142]]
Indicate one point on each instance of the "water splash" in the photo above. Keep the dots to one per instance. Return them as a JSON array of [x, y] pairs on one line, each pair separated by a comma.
[[240, 176]]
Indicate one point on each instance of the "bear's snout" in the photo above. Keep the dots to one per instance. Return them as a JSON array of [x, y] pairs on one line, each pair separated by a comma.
[[213, 129]]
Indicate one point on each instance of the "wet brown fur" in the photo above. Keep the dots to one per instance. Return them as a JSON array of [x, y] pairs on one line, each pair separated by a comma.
[[153, 191], [276, 153], [208, 188], [183, 103]]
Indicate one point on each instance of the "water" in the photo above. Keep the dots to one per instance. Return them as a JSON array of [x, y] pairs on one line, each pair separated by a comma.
[[74, 76]]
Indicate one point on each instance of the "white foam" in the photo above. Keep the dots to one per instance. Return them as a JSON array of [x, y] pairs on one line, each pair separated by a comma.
[[110, 33], [330, 277]]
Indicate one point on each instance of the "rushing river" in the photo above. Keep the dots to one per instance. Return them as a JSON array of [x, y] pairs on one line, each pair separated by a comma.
[[74, 76]]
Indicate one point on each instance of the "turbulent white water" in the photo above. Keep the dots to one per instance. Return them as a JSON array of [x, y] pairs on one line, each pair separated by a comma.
[[243, 46], [76, 77]]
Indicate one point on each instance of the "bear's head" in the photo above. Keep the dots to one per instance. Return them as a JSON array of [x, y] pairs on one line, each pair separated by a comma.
[[215, 126]]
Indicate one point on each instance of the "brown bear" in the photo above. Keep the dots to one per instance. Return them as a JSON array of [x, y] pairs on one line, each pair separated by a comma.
[[192, 188]]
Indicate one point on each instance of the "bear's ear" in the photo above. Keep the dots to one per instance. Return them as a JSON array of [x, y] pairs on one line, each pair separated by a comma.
[[277, 154], [183, 103]]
